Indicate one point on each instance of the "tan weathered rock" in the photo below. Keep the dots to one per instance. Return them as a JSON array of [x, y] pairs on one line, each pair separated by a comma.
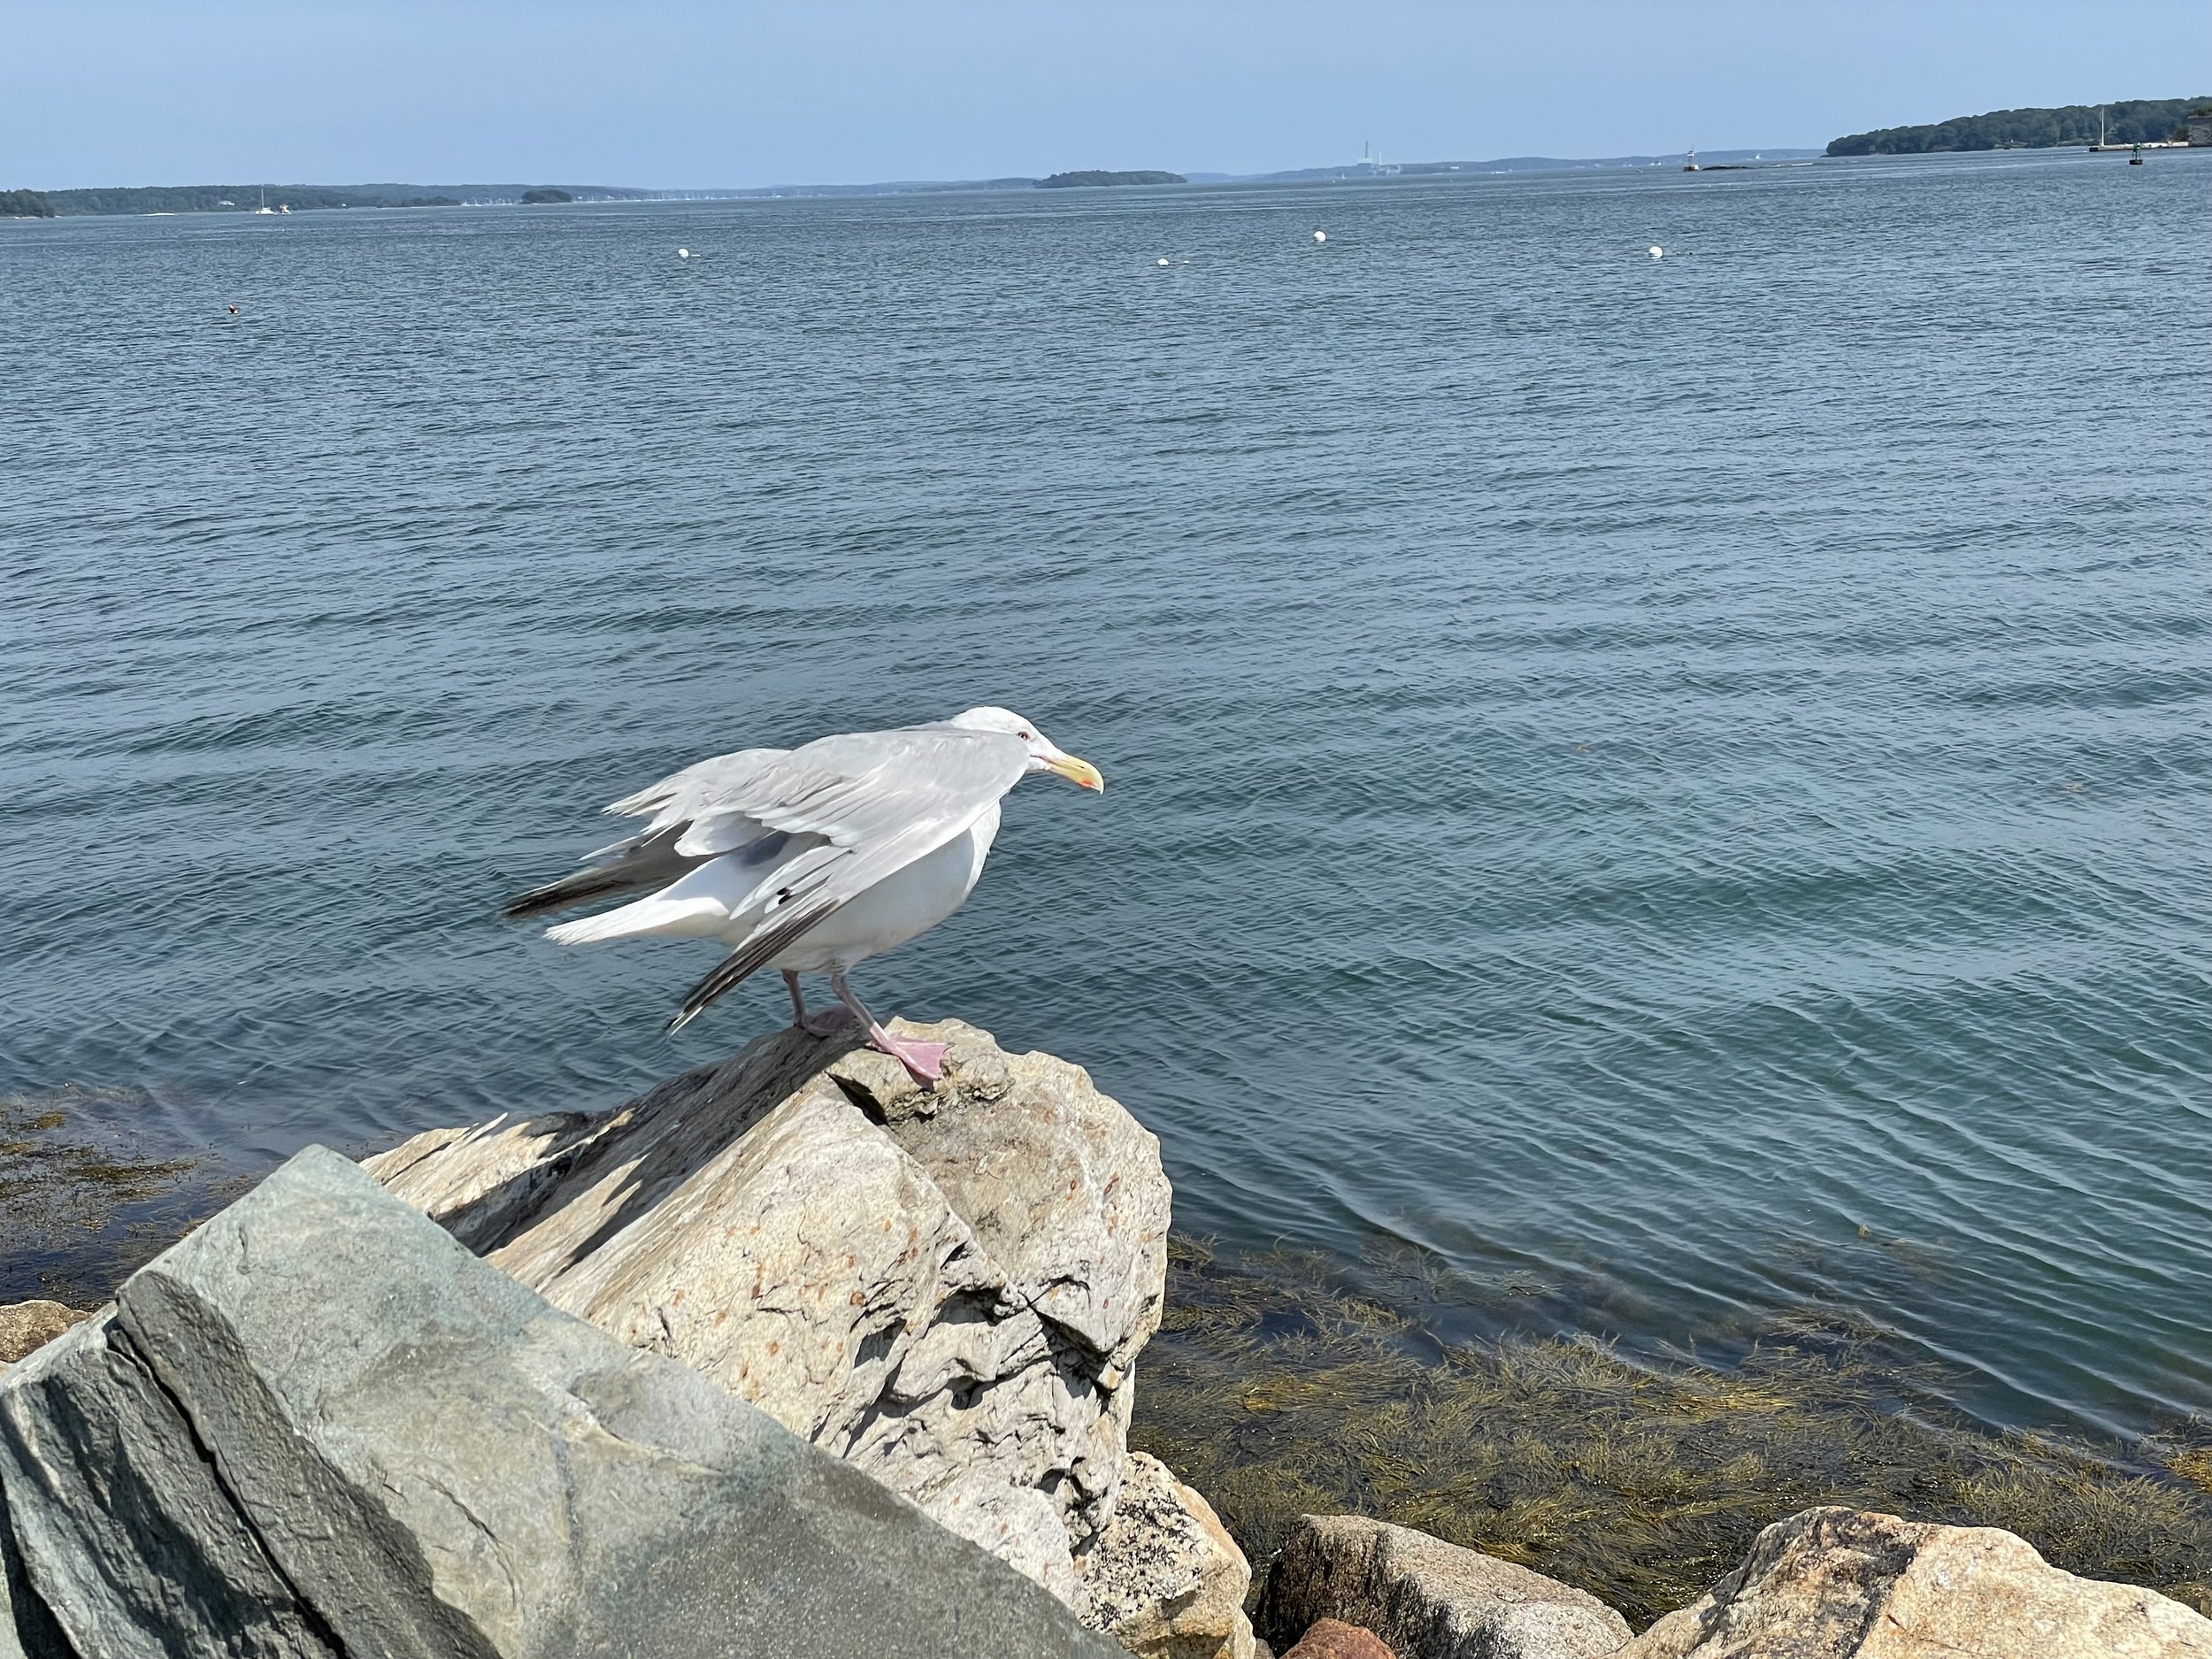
[[1046, 1170], [1166, 1580], [945, 1285], [1849, 1584], [27, 1326], [1428, 1599], [1333, 1638], [482, 1181]]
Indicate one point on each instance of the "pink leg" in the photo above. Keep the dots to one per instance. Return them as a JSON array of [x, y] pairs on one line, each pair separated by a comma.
[[924, 1060], [822, 1025]]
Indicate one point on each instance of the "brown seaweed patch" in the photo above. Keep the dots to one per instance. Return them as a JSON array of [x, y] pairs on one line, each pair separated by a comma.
[[1276, 1391], [2187, 1451]]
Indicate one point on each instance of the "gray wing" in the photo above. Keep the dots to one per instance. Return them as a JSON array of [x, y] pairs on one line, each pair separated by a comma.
[[876, 801], [681, 796], [652, 857]]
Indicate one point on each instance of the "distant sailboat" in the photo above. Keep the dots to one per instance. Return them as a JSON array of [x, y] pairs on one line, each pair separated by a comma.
[[1690, 164]]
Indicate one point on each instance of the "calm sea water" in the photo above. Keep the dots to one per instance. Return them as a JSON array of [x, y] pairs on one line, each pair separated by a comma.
[[1676, 786]]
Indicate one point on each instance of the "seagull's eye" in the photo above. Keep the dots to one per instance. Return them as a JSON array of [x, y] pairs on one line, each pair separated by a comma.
[[1028, 736]]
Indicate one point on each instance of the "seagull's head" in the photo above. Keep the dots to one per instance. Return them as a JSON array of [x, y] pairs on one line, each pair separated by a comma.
[[1044, 754]]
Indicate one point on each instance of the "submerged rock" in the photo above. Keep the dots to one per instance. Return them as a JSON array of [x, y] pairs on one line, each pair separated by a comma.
[[319, 1427], [1428, 1599], [1166, 1580], [1849, 1584], [945, 1285]]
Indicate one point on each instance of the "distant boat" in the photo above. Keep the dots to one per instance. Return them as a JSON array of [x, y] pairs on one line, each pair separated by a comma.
[[1690, 164]]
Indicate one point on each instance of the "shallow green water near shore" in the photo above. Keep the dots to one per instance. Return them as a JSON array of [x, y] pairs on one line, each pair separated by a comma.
[[1672, 790], [1278, 1391]]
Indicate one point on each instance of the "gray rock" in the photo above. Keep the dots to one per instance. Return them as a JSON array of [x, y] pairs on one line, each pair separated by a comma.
[[944, 1285], [1847, 1584], [319, 1426], [126, 1535], [1166, 1580], [1428, 1599]]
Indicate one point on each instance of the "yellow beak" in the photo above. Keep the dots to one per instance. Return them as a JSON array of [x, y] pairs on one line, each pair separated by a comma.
[[1077, 771]]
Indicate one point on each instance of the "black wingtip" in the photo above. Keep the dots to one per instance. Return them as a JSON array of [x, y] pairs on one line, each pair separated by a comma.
[[748, 959], [558, 895]]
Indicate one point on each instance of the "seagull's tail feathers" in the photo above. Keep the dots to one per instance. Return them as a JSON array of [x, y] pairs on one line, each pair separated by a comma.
[[677, 917]]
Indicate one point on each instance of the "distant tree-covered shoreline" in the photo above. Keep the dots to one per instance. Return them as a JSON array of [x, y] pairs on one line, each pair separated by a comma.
[[1093, 176], [246, 199], [2139, 121], [25, 204]]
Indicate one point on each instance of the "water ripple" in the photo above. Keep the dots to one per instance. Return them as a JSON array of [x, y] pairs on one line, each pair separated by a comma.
[[1674, 788]]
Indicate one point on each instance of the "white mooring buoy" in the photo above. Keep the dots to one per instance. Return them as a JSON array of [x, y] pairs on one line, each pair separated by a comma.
[[1658, 252], [1321, 235], [684, 253], [1162, 262]]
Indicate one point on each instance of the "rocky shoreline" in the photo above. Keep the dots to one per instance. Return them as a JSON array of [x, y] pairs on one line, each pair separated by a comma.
[[805, 1270]]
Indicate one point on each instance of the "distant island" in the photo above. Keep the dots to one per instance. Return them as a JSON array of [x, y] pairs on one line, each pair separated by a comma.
[[2141, 121], [1078, 181], [296, 198]]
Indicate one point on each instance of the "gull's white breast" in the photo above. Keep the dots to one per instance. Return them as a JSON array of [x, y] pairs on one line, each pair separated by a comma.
[[903, 905]]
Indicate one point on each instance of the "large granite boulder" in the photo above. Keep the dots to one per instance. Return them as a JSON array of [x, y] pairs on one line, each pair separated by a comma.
[[1428, 1599], [1848, 1584], [320, 1428], [945, 1285], [1166, 1580]]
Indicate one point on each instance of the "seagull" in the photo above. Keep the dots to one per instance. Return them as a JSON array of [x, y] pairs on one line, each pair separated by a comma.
[[813, 859]]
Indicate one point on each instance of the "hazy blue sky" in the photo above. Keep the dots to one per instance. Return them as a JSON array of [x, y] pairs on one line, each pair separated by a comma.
[[99, 93]]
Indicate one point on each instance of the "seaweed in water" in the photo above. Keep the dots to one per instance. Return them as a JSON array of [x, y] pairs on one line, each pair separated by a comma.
[[82, 1208], [1278, 1391]]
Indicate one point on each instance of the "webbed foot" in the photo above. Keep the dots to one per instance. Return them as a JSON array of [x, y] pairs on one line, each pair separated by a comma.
[[925, 1061]]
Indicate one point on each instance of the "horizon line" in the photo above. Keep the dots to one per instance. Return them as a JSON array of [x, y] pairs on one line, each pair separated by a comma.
[[1371, 167]]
